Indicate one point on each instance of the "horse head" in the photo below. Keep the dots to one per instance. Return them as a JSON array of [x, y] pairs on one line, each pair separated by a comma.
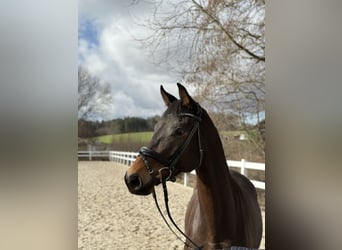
[[175, 146]]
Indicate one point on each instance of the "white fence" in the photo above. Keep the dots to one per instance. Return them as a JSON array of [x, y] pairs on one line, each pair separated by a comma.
[[128, 158]]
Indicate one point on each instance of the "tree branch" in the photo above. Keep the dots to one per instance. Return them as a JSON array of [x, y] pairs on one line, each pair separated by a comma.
[[260, 58]]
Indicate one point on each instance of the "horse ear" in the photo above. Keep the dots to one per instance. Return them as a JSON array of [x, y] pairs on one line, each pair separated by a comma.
[[168, 98], [184, 96]]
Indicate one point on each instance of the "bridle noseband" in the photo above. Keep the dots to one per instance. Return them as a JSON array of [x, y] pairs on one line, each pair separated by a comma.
[[169, 164]]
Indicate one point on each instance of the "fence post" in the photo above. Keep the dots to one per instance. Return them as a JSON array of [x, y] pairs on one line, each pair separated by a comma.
[[185, 179], [89, 151], [243, 167]]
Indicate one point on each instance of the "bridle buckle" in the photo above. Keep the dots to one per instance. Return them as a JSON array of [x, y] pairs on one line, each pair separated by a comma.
[[160, 174]]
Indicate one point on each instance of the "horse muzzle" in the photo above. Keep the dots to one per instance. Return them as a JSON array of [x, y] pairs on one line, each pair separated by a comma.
[[138, 180], [135, 185]]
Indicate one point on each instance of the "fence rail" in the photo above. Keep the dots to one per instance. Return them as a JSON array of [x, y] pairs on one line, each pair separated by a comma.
[[128, 158]]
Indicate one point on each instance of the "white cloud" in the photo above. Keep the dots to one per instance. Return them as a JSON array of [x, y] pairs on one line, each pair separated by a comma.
[[119, 60]]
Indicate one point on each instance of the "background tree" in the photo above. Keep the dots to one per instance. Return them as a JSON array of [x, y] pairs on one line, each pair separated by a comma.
[[219, 48], [93, 96]]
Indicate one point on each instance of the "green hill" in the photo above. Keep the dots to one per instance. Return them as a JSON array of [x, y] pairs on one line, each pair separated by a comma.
[[139, 137]]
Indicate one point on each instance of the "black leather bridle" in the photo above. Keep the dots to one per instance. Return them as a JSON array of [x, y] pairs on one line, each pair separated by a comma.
[[169, 164]]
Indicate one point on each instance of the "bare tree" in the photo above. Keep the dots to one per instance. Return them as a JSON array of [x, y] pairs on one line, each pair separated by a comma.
[[219, 47], [93, 96]]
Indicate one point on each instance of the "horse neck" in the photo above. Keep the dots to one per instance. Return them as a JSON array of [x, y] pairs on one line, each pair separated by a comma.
[[214, 186], [214, 167]]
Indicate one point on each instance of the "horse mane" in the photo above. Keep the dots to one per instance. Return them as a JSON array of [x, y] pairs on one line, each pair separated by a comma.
[[243, 191]]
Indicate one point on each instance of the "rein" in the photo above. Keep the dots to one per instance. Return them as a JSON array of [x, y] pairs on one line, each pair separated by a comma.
[[170, 166]]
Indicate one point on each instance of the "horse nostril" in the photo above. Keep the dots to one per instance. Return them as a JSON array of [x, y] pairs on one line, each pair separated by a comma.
[[135, 182]]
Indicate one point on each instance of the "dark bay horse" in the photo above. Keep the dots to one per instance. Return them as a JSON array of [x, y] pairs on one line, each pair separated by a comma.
[[223, 210]]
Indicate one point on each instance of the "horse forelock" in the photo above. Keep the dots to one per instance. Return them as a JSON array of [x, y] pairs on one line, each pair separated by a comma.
[[176, 108]]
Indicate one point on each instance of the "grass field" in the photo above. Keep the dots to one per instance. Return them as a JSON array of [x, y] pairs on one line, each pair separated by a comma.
[[232, 133], [145, 137], [139, 137]]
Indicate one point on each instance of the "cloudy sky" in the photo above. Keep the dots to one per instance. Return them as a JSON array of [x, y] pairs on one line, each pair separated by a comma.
[[108, 49]]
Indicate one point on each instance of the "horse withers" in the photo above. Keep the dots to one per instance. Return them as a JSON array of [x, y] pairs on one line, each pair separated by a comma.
[[223, 211]]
